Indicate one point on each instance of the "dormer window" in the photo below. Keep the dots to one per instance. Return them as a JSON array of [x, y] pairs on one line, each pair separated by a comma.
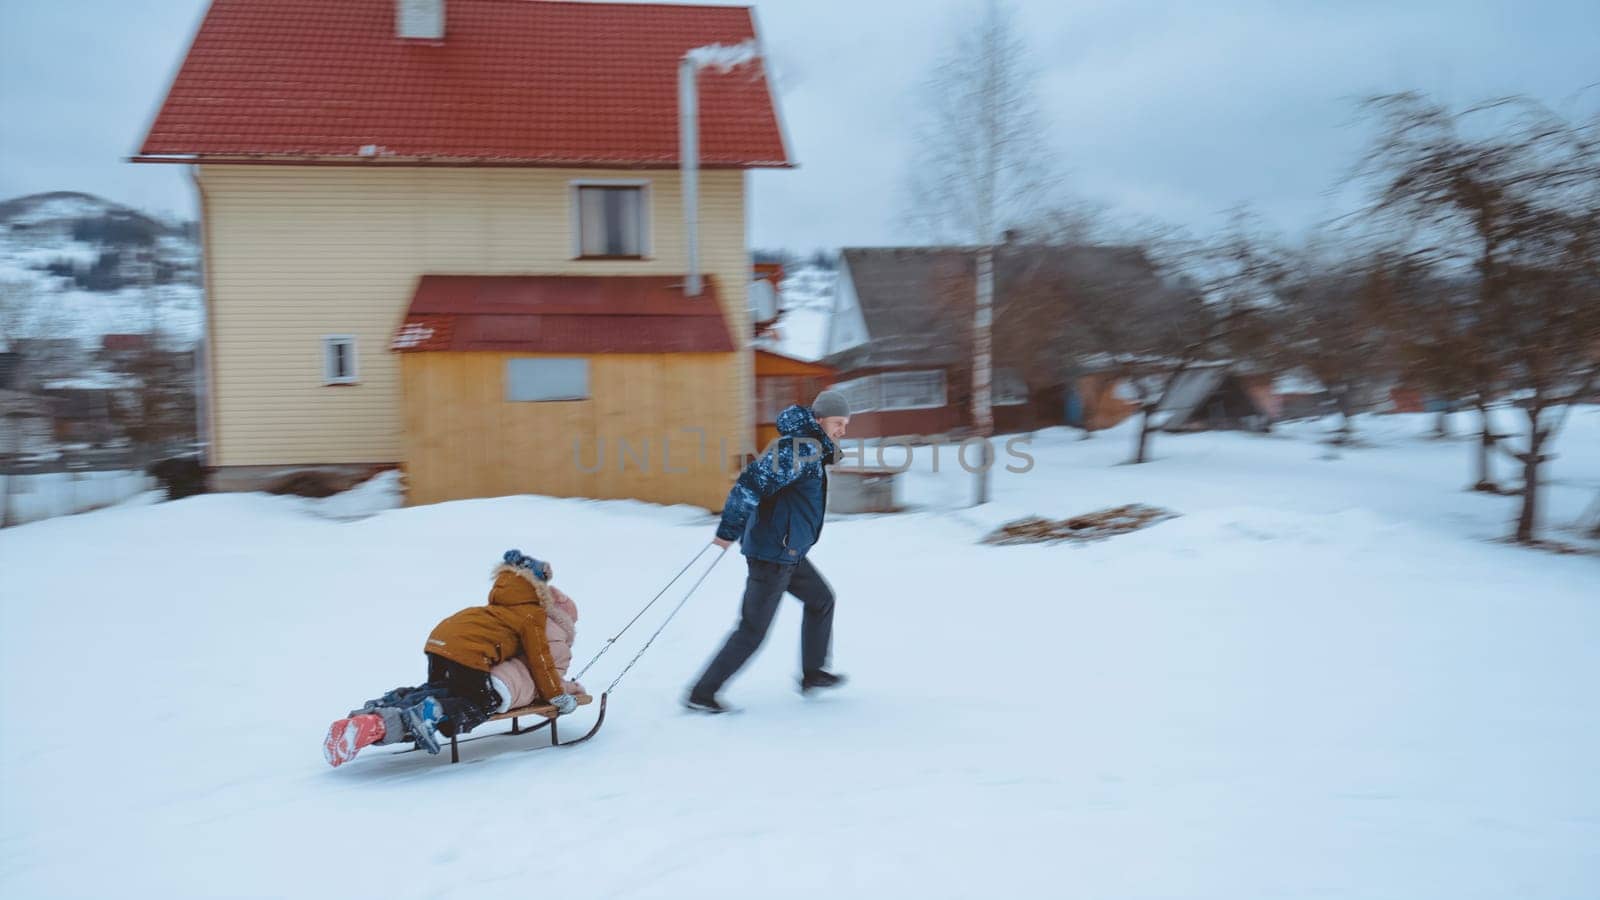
[[612, 220]]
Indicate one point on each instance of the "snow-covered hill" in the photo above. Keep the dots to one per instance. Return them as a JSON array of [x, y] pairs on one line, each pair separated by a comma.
[[1326, 678], [77, 266]]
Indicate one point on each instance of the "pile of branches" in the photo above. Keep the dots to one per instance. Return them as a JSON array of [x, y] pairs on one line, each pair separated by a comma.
[[1087, 527]]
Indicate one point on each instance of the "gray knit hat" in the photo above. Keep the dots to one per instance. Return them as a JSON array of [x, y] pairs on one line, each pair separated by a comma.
[[828, 404]]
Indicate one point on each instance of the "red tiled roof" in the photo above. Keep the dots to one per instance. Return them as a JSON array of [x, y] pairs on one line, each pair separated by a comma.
[[531, 82], [563, 314]]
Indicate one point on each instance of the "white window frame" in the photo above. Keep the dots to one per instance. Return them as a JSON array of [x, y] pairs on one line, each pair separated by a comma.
[[575, 216], [588, 382], [883, 392], [328, 375]]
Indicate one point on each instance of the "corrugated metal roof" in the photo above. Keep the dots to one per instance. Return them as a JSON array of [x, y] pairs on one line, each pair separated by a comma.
[[512, 81], [562, 314]]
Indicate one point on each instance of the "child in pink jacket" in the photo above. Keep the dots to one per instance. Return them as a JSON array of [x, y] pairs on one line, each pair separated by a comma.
[[511, 679]]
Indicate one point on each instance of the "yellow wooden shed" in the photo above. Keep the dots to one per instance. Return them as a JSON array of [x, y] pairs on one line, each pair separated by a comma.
[[577, 386]]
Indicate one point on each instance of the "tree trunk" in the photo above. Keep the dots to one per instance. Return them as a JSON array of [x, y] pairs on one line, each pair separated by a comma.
[[1441, 424], [1486, 440], [1144, 436], [1528, 518], [982, 362], [1347, 428]]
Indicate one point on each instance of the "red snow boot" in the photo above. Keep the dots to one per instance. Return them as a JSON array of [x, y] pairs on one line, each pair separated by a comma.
[[346, 737]]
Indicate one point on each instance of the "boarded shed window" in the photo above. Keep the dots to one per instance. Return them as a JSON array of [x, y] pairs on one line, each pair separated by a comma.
[[611, 221], [534, 380], [339, 359]]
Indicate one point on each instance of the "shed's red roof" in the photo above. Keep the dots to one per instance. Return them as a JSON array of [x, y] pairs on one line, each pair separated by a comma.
[[563, 314], [530, 82]]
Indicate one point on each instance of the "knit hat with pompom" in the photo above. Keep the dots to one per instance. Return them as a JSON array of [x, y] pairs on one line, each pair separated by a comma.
[[539, 568]]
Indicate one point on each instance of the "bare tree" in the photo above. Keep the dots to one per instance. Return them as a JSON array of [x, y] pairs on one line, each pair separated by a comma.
[[1506, 194], [1047, 274], [980, 164], [1144, 314], [1218, 309], [159, 406], [1326, 320], [1440, 343]]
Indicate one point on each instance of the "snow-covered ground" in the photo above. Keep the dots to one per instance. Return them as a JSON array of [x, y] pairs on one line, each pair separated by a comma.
[[30, 498], [1325, 679]]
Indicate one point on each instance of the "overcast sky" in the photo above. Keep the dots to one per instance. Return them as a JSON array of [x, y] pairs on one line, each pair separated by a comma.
[[1173, 111]]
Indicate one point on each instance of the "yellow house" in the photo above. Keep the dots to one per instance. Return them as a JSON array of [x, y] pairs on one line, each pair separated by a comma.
[[453, 236]]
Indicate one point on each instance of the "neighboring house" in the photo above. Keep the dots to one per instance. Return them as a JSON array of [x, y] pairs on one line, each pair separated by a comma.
[[1099, 399], [26, 425], [895, 340], [899, 337], [1215, 396], [770, 272], [147, 356], [1299, 395], [41, 359], [119, 351], [766, 310], [84, 406], [781, 382], [1205, 395], [449, 235]]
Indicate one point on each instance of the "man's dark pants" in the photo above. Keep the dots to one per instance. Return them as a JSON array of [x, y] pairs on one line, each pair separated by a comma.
[[764, 587]]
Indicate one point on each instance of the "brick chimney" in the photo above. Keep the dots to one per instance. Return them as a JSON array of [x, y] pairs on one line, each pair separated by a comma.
[[419, 20]]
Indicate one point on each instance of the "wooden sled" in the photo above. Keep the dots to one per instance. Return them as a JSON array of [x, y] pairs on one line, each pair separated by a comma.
[[541, 711]]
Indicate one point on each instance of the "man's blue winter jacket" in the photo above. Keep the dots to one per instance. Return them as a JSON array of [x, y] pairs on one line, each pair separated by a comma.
[[786, 489]]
